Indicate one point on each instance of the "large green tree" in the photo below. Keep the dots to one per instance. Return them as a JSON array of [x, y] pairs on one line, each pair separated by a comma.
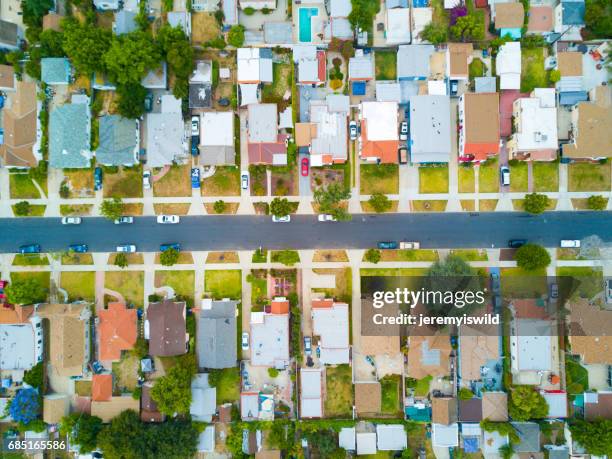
[[536, 203], [235, 36], [330, 200], [594, 436], [280, 207], [82, 429], [379, 202], [179, 56], [169, 257], [34, 10], [112, 208], [526, 403], [172, 392], [598, 18], [435, 33], [532, 257], [26, 291], [86, 46], [467, 28], [131, 102], [363, 12], [131, 56]]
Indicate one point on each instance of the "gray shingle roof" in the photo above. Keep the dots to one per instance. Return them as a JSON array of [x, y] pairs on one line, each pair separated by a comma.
[[217, 331], [55, 70], [413, 61], [69, 136], [529, 435], [9, 33], [125, 22], [117, 141]]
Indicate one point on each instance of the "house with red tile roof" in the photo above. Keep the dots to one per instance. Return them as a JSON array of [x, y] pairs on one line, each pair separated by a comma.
[[478, 126], [116, 331], [379, 133], [102, 388]]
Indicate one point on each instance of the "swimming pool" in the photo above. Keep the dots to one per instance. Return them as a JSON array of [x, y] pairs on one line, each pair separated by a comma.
[[305, 23]]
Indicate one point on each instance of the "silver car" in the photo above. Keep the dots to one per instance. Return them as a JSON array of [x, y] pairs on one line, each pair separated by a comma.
[[124, 220], [168, 219], [126, 248], [71, 220]]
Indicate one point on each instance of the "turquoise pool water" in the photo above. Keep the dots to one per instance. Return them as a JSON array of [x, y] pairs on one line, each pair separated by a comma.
[[305, 23]]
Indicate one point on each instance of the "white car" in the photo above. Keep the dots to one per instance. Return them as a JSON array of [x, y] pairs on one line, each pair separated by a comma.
[[403, 134], [124, 220], [71, 220], [168, 219], [570, 243], [327, 218], [146, 180], [353, 130], [285, 219], [244, 180], [245, 341], [195, 125], [126, 248]]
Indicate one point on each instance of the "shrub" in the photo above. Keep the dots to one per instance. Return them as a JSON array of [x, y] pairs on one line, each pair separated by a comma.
[[335, 84], [219, 206], [249, 11], [465, 394], [536, 203], [64, 191], [273, 372], [597, 202], [531, 257], [372, 255], [121, 260], [22, 208], [169, 257]]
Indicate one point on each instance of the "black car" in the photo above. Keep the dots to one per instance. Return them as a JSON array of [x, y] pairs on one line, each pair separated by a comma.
[[98, 178], [224, 102], [516, 243]]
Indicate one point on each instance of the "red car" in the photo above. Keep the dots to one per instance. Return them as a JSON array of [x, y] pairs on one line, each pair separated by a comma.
[[304, 167]]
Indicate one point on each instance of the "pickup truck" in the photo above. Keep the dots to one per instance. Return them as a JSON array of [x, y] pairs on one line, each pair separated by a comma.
[[410, 245]]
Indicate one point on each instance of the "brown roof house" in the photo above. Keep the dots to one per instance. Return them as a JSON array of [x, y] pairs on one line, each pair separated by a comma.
[[458, 58], [7, 78], [112, 408], [55, 407], [569, 63], [591, 127], [148, 407], [540, 20], [476, 348], [20, 128], [368, 398], [69, 348], [470, 410], [495, 406], [444, 410], [597, 405], [508, 16], [165, 328], [265, 144], [428, 356], [590, 333]]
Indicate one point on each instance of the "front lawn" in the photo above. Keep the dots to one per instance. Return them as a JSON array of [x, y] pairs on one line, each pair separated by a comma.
[[589, 281], [430, 205], [224, 182], [125, 183], [80, 182], [76, 209], [224, 284], [181, 281], [519, 177], [383, 178], [546, 176], [43, 277], [176, 182], [79, 285], [517, 283], [30, 259], [589, 177], [385, 62], [390, 388], [227, 382], [466, 180], [128, 283], [488, 177], [339, 399], [74, 258], [433, 179], [22, 187], [533, 74]]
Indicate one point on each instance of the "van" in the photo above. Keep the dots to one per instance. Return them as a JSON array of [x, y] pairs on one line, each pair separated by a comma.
[[504, 174], [570, 243]]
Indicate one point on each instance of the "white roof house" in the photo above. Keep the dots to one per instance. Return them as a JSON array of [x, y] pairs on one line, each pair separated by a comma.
[[311, 403], [180, 19], [391, 437], [217, 138], [361, 67], [346, 438], [381, 118], [331, 324], [269, 339], [430, 130], [263, 122], [166, 137], [557, 404], [366, 443], [398, 26], [330, 117], [340, 8], [307, 58], [206, 440], [531, 345], [508, 65], [388, 91], [492, 441], [254, 65], [413, 61], [445, 436], [21, 344]]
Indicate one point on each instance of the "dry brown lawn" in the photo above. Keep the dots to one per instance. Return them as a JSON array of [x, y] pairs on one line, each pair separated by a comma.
[[487, 205], [366, 207], [185, 258], [171, 209], [176, 182], [468, 205], [133, 209], [330, 256], [126, 372], [76, 209], [204, 27], [81, 183], [230, 208], [222, 257]]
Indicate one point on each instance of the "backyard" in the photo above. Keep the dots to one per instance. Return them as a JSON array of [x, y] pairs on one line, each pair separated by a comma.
[[130, 284], [79, 285], [533, 74], [382, 178], [227, 382], [224, 284], [279, 91], [433, 179], [390, 387], [339, 391], [385, 63]]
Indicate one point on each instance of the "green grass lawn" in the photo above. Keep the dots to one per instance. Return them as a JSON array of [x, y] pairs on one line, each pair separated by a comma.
[[590, 281], [259, 290], [30, 259], [77, 258], [517, 283], [126, 183], [339, 399], [546, 176], [274, 92], [79, 285], [488, 177], [129, 283], [466, 180], [576, 377], [471, 254], [43, 278], [390, 388], [224, 284], [228, 385], [433, 179], [383, 178], [22, 187], [385, 62], [429, 205], [36, 210], [225, 182], [181, 281], [409, 255], [519, 177], [417, 272], [589, 177], [421, 389], [533, 74]]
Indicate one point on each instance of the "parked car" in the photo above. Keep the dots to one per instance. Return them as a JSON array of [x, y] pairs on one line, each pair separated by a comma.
[[124, 220], [570, 243], [327, 218], [223, 102], [168, 219], [409, 245], [195, 144], [148, 102], [307, 345], [71, 220], [353, 130], [609, 291], [387, 245], [78, 248], [244, 180], [554, 291], [304, 168], [495, 282], [29, 248], [97, 178], [245, 341], [195, 177], [403, 132], [504, 175], [454, 87], [146, 180], [402, 153], [97, 367], [175, 245], [195, 125], [126, 248], [284, 219], [516, 243]]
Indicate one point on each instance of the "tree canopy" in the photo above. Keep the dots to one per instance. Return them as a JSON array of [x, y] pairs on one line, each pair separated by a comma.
[[130, 57], [598, 18], [169, 257], [469, 27], [526, 403], [380, 202], [172, 392], [26, 291], [435, 33], [532, 257], [112, 208], [280, 207], [597, 202], [25, 406], [82, 429], [330, 198], [131, 103], [372, 255], [594, 436], [235, 36], [362, 13], [34, 10], [536, 203], [86, 46]]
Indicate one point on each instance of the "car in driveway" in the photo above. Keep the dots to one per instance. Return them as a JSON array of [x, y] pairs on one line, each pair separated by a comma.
[[304, 169], [78, 248], [245, 341], [195, 177], [327, 218], [174, 245], [195, 125], [244, 180], [29, 248], [554, 291], [71, 220], [495, 282], [454, 87], [353, 130], [126, 248], [125, 220], [168, 219], [223, 102], [402, 154], [283, 219], [97, 178], [516, 243], [146, 180], [307, 345], [504, 176], [387, 245], [403, 131]]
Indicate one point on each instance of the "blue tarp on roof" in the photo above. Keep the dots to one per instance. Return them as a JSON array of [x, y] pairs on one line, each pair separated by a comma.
[[573, 12], [572, 97], [359, 88], [470, 444]]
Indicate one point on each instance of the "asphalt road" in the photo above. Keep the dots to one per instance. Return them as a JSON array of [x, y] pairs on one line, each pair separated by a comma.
[[433, 230]]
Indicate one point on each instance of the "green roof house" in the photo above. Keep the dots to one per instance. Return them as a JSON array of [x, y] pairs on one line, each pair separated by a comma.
[[69, 136], [55, 70], [118, 141]]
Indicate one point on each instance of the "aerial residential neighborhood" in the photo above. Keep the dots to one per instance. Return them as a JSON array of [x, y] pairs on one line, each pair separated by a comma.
[[210, 210]]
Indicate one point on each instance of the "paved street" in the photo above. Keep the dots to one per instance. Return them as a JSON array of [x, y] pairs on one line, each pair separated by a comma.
[[433, 230]]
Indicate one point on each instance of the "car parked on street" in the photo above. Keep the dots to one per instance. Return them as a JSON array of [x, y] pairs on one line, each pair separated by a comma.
[[175, 245], [570, 243], [304, 169], [284, 219], [245, 341], [71, 220], [146, 180], [168, 219], [126, 248], [353, 130], [195, 177], [327, 218], [516, 243], [29, 248], [78, 248], [387, 245], [554, 291], [98, 178], [195, 125], [403, 131], [124, 220], [244, 180]]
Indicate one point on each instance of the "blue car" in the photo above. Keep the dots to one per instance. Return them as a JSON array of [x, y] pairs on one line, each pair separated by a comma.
[[176, 246], [98, 178], [30, 248], [387, 245], [78, 248], [195, 177]]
